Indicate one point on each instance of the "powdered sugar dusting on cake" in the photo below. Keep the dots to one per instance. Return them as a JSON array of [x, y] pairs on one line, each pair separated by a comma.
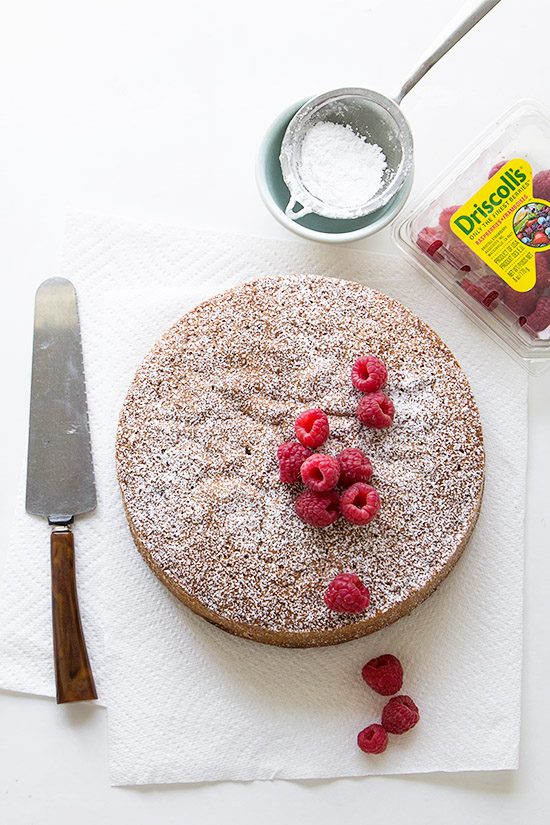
[[197, 453]]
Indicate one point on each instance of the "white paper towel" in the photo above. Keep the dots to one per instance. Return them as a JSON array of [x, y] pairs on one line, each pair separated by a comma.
[[186, 701]]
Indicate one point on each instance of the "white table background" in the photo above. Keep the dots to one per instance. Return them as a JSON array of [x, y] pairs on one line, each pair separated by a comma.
[[154, 109]]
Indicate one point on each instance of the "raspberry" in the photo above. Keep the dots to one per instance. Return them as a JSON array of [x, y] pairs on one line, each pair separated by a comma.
[[376, 410], [430, 239], [400, 714], [384, 674], [373, 739], [441, 244], [539, 239], [319, 509], [540, 318], [541, 185], [496, 168], [520, 303], [291, 456], [320, 472], [354, 466], [311, 428], [543, 270], [359, 503], [446, 215], [368, 374], [472, 289], [460, 257], [347, 594], [487, 290]]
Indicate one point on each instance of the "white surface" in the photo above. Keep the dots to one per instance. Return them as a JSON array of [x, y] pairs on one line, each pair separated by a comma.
[[136, 109], [189, 703]]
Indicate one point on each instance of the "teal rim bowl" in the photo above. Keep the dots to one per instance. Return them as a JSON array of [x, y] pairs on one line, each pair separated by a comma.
[[275, 194]]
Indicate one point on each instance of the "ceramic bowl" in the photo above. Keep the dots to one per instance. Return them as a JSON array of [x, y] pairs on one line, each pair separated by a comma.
[[276, 195]]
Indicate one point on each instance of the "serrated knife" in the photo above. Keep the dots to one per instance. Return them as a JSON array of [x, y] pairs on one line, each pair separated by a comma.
[[60, 473]]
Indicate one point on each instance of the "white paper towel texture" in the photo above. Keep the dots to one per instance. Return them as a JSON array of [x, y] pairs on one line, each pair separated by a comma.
[[186, 701]]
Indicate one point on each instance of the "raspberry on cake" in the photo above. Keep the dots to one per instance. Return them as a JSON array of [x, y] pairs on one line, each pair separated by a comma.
[[359, 503], [354, 466], [376, 410], [311, 428], [347, 594], [368, 374], [318, 509], [291, 456], [320, 472]]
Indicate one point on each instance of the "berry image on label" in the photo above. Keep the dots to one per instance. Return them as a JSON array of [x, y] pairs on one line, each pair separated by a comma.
[[531, 223]]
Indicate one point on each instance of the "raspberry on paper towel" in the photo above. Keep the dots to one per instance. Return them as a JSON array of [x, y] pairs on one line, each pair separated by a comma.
[[384, 674], [400, 715], [347, 594], [373, 739]]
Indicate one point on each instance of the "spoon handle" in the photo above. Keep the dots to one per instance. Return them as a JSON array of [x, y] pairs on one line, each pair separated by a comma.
[[442, 46]]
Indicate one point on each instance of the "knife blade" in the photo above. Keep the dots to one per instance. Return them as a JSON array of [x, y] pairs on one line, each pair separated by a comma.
[[60, 473]]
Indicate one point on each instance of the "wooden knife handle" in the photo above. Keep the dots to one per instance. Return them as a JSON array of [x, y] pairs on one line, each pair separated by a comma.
[[73, 674]]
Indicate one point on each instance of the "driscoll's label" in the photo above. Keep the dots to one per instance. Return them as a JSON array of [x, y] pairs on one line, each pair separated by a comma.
[[505, 226]]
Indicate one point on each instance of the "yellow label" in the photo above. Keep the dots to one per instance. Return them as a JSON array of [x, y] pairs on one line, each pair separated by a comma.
[[505, 226]]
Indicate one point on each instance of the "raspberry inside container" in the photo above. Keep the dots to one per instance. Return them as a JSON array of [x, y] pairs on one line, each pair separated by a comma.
[[519, 321]]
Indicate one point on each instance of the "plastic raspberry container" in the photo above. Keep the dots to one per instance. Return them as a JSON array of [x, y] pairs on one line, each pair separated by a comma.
[[523, 131]]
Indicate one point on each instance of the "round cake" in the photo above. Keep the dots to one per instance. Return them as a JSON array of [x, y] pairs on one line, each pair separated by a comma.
[[197, 459]]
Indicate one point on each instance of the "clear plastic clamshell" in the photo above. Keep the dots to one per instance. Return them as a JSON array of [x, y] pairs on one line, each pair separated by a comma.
[[483, 235]]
